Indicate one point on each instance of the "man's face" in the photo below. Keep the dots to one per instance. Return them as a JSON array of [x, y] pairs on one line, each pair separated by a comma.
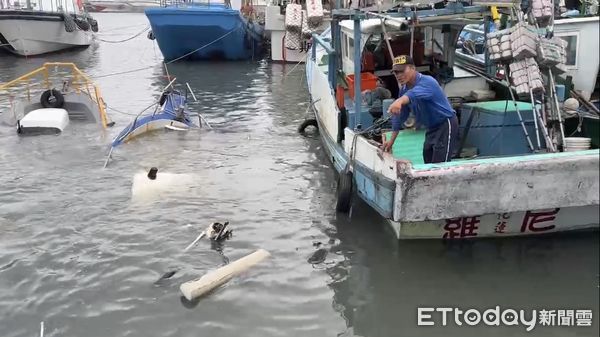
[[404, 75]]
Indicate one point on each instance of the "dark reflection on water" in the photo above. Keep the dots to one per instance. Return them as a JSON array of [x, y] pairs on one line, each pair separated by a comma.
[[78, 254]]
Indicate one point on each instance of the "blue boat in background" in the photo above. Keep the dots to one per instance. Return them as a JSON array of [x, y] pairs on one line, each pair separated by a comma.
[[204, 31]]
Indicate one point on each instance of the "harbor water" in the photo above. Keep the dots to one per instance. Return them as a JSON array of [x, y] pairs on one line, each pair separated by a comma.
[[79, 255]]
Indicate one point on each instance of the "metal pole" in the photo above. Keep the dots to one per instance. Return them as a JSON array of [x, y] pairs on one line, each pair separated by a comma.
[[387, 41], [357, 69], [535, 121], [539, 117], [512, 95], [562, 130]]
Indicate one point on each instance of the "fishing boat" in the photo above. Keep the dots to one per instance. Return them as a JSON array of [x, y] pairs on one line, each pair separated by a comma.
[[48, 99], [206, 30], [173, 115], [29, 31], [503, 181]]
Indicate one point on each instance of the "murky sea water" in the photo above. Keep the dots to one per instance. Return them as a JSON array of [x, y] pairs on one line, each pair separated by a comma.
[[79, 255]]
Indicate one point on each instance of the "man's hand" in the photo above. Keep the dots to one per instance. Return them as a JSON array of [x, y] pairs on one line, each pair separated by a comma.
[[395, 107]]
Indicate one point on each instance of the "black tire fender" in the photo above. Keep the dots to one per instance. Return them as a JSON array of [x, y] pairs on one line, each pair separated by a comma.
[[47, 101], [307, 123], [344, 192]]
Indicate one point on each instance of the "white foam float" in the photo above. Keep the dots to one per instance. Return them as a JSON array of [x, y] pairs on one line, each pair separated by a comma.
[[153, 184], [196, 288]]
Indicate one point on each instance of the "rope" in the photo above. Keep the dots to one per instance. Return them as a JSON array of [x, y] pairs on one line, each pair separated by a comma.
[[127, 39], [120, 28], [124, 72], [119, 111], [302, 60], [179, 58]]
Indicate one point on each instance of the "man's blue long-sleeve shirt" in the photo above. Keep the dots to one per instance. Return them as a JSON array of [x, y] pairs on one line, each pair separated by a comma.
[[427, 101]]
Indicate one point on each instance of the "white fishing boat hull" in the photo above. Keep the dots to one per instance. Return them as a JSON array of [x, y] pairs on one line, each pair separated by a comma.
[[36, 37], [532, 222]]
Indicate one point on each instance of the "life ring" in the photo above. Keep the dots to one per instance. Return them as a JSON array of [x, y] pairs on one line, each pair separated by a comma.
[[344, 191], [52, 99], [307, 123]]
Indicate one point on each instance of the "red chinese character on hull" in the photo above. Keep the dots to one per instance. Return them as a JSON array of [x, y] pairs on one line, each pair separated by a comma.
[[461, 227], [500, 227], [532, 221]]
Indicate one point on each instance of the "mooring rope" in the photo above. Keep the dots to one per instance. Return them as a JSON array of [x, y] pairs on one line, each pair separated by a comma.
[[127, 39], [169, 62]]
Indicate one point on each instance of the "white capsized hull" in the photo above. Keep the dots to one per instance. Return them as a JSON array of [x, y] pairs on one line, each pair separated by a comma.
[[36, 37]]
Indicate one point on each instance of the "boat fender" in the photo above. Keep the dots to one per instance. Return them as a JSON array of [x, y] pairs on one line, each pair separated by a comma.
[[344, 191], [52, 98], [94, 24], [150, 35], [307, 123], [70, 24], [82, 24], [152, 173]]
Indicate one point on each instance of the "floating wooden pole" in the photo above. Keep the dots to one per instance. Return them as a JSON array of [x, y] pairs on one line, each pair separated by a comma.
[[208, 282]]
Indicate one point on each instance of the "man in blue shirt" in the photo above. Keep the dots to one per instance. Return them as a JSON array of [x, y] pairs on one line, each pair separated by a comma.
[[423, 95]]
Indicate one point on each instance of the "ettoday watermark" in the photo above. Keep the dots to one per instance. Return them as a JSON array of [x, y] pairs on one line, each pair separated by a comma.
[[507, 317]]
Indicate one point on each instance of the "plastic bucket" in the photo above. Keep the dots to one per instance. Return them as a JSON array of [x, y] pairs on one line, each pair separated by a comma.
[[577, 143]]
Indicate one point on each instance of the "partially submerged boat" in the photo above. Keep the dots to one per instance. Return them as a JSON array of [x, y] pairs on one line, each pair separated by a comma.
[[173, 114], [29, 31], [205, 30], [46, 99], [500, 183]]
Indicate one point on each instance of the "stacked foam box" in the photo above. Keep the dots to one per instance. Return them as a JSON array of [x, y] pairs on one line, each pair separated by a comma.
[[293, 40], [542, 10], [306, 31], [523, 40], [314, 9], [498, 44], [293, 18], [525, 75], [293, 26], [552, 52]]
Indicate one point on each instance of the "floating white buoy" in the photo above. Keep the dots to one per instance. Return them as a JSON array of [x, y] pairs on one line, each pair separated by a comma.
[[208, 282]]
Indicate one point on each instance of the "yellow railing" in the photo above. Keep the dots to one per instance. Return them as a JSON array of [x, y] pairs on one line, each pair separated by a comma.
[[81, 83]]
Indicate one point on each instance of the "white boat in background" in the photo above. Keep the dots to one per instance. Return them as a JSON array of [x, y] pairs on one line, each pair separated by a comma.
[[31, 29], [108, 6]]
